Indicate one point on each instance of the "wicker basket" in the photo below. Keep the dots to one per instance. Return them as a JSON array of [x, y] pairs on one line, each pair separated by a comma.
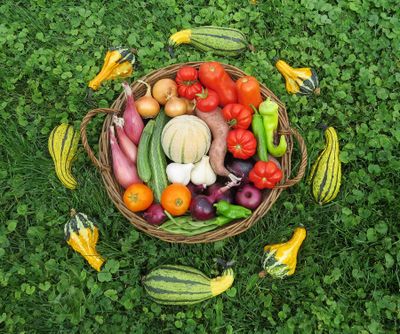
[[115, 191]]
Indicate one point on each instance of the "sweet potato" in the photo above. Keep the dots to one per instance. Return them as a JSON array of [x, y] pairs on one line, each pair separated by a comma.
[[219, 129]]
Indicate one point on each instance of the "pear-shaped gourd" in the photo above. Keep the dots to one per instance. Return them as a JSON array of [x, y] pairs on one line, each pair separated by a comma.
[[280, 260], [82, 235], [118, 63], [300, 81]]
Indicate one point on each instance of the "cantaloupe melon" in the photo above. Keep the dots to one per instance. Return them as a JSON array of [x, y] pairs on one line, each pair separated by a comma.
[[186, 139]]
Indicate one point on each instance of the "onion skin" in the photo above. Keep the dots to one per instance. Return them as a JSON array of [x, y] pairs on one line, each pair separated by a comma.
[[175, 106], [164, 89], [124, 170], [133, 122]]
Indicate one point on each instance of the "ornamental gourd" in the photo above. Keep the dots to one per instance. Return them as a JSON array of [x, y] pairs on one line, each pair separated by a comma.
[[63, 144], [219, 40], [280, 260], [300, 81], [182, 285], [82, 235], [186, 139], [118, 63], [326, 173]]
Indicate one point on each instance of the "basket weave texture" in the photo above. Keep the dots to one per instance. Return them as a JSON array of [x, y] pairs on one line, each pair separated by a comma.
[[115, 192]]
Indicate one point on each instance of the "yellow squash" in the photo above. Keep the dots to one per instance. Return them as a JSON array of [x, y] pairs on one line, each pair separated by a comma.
[[118, 63], [63, 144], [326, 173], [300, 81], [82, 235], [280, 260]]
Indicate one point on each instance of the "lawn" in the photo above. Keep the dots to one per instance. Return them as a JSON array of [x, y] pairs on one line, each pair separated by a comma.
[[347, 277]]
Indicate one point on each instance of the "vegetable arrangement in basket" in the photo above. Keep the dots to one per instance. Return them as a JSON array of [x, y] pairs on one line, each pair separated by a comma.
[[161, 154]]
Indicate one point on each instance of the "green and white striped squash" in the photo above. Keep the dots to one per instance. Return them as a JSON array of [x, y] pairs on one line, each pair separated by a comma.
[[219, 40], [182, 285], [186, 139]]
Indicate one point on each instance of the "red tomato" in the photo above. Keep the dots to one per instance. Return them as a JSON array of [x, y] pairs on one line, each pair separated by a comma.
[[213, 76], [207, 101], [237, 115], [241, 143], [265, 174], [188, 84]]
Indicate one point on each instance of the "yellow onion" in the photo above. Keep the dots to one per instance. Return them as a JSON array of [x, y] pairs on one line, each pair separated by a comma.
[[164, 89], [175, 106], [147, 106]]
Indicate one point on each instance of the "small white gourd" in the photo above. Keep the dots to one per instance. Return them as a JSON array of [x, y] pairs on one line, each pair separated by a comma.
[[179, 173], [202, 173]]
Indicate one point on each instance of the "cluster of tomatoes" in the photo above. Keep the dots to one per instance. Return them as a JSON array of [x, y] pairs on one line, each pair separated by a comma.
[[211, 86]]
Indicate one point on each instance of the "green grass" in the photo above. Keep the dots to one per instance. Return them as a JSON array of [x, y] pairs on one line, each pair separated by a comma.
[[347, 278]]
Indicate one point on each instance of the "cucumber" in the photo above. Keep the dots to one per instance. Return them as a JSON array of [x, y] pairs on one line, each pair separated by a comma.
[[143, 161], [182, 285], [157, 159]]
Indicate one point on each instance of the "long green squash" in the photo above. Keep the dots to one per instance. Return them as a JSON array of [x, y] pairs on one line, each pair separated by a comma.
[[326, 173], [143, 160], [63, 144], [158, 160], [182, 285], [219, 40]]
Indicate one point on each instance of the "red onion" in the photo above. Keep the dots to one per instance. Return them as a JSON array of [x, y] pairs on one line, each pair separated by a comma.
[[133, 122], [249, 196], [195, 189], [126, 145], [124, 170], [240, 168], [201, 206], [226, 195], [155, 214]]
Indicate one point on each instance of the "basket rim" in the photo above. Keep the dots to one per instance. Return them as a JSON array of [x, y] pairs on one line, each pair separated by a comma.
[[114, 191]]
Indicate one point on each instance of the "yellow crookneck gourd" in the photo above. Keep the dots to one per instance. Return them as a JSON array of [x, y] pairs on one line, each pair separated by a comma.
[[280, 260], [300, 81], [63, 144], [82, 235], [118, 63]]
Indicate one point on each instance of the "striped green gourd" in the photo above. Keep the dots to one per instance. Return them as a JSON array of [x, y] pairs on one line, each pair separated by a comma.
[[182, 285], [158, 160], [219, 40], [63, 144], [326, 173]]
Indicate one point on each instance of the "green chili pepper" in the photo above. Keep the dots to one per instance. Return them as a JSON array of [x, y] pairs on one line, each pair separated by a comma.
[[259, 132], [231, 211], [269, 112]]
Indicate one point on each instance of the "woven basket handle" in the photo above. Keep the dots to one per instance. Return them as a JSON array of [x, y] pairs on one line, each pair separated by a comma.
[[85, 143], [303, 163]]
